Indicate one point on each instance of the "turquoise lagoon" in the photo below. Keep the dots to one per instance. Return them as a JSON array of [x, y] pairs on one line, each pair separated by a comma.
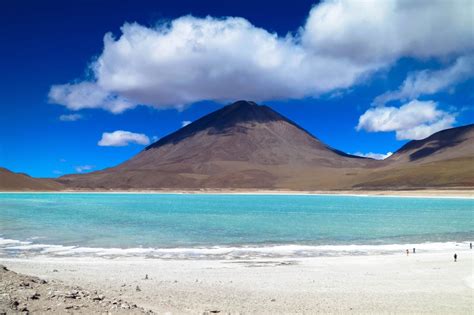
[[227, 226]]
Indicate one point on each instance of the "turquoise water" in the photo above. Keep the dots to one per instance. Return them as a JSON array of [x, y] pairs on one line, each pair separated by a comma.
[[168, 225]]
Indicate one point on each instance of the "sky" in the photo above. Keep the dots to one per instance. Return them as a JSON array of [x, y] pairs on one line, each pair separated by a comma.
[[87, 84]]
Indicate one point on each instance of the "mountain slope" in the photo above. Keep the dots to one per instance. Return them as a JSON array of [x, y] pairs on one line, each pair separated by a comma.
[[242, 145], [443, 145], [10, 181], [444, 159]]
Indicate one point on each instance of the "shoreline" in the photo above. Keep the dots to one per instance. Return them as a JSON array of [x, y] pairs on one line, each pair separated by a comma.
[[28, 249], [417, 283], [428, 193]]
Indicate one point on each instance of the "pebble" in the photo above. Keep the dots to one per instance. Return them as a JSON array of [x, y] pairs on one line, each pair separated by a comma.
[[34, 296], [98, 298], [125, 306]]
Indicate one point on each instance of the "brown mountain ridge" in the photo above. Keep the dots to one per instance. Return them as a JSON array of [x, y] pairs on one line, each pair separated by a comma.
[[250, 146]]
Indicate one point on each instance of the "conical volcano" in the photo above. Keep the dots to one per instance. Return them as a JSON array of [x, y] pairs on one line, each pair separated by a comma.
[[242, 145]]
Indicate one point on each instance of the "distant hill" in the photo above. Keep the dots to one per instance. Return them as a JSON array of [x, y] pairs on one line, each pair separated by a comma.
[[10, 181], [444, 145], [444, 159], [249, 146]]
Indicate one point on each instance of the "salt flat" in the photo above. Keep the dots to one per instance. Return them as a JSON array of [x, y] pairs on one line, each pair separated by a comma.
[[418, 283]]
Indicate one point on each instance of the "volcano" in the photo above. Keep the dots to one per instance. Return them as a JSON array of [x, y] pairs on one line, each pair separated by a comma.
[[242, 145]]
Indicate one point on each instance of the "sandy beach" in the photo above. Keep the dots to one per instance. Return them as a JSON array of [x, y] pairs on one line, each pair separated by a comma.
[[425, 193], [425, 282]]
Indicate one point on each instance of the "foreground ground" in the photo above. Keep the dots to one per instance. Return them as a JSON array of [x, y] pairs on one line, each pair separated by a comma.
[[27, 294], [417, 283]]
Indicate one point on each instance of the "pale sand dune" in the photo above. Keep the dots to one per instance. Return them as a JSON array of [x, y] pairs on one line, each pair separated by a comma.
[[420, 283]]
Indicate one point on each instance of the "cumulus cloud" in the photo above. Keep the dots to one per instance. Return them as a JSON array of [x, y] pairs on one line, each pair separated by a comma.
[[121, 138], [70, 117], [375, 156], [414, 120], [383, 31], [87, 95], [184, 123], [191, 59], [83, 168], [428, 82]]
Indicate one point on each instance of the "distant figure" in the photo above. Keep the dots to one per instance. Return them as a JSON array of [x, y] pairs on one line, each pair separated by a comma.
[[470, 245], [414, 250], [455, 257], [408, 252]]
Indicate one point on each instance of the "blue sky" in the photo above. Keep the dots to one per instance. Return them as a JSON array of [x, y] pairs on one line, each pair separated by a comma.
[[358, 83]]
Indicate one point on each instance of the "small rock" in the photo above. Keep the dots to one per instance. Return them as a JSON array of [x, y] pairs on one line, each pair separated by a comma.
[[69, 307], [138, 289], [55, 270], [272, 300], [146, 277], [125, 306], [34, 296], [23, 308], [71, 294], [15, 304]]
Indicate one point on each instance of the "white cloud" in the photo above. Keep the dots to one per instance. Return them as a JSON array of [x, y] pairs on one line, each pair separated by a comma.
[[83, 168], [428, 82], [192, 59], [376, 156], [414, 120], [184, 123], [372, 30], [87, 95], [122, 138], [70, 117]]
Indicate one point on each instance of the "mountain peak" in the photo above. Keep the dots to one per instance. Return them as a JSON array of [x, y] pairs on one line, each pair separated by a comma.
[[243, 103], [222, 120]]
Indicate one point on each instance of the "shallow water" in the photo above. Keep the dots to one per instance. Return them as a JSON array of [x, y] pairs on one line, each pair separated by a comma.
[[227, 226]]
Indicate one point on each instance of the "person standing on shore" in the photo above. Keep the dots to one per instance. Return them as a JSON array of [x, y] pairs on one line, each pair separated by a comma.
[[414, 250], [455, 257], [470, 245], [408, 252]]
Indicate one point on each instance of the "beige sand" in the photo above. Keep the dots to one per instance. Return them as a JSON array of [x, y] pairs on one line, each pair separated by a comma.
[[427, 193], [418, 283]]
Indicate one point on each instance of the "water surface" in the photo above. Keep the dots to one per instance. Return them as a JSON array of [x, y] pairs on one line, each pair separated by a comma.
[[192, 225]]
